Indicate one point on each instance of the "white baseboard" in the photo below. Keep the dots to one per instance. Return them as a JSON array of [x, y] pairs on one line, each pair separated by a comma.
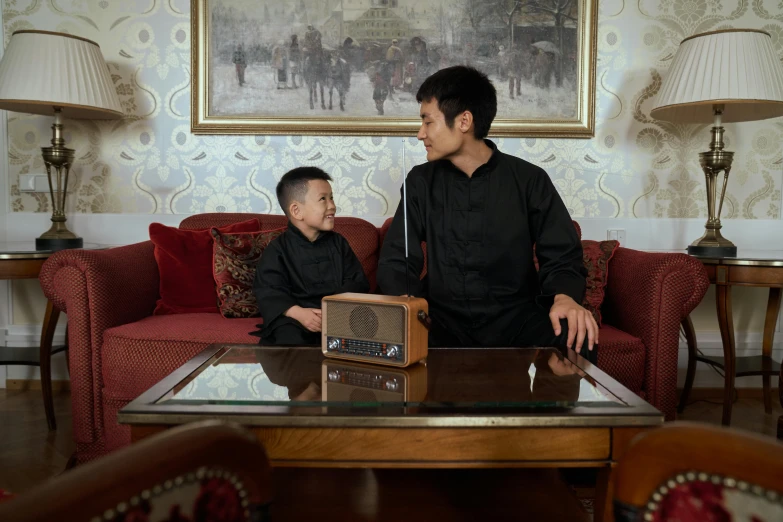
[[709, 343], [29, 335]]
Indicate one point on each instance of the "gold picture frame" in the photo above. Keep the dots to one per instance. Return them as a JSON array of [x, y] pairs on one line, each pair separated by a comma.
[[378, 52]]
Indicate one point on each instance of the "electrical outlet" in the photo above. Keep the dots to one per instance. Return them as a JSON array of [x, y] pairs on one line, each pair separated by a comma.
[[616, 233], [35, 183]]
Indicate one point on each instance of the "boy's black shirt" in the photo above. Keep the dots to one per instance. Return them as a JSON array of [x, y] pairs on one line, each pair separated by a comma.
[[295, 271], [480, 232]]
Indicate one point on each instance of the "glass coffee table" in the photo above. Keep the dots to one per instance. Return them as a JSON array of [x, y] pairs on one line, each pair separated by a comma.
[[462, 408]]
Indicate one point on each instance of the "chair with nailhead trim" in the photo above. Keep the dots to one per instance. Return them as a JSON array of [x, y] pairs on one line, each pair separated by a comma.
[[695, 472], [201, 471]]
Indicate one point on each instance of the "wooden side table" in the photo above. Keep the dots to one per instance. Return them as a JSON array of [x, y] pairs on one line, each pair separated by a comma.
[[20, 260], [761, 269]]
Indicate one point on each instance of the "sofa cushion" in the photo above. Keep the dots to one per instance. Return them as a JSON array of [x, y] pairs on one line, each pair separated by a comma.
[[136, 356], [596, 255], [234, 261], [360, 234], [184, 260], [622, 356]]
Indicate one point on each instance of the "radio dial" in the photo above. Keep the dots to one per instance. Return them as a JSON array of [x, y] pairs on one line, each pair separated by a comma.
[[392, 385], [333, 344], [392, 352]]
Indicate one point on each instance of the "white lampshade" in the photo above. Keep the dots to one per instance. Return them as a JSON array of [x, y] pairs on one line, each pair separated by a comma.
[[41, 69], [737, 68]]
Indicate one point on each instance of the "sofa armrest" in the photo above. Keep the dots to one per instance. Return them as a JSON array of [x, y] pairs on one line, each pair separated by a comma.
[[98, 289], [648, 294]]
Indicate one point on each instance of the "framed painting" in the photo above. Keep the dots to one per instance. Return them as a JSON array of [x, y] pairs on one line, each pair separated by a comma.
[[353, 67]]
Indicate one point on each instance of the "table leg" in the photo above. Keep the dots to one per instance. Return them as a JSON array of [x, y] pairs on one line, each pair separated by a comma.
[[47, 335], [771, 320], [726, 324], [690, 339], [602, 506]]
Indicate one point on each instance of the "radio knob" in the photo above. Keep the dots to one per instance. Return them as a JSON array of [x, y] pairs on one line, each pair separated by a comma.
[[392, 352], [333, 344], [334, 376]]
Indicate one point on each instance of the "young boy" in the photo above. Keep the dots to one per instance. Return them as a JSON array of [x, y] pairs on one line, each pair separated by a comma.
[[480, 212], [305, 263]]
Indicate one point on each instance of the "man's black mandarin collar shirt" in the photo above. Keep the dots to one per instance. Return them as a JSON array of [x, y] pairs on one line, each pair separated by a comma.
[[479, 232]]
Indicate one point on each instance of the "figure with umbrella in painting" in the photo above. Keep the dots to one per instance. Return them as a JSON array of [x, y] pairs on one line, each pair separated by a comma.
[[545, 62]]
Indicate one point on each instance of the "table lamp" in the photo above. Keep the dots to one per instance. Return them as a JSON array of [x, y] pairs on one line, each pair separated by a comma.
[[730, 75], [62, 75]]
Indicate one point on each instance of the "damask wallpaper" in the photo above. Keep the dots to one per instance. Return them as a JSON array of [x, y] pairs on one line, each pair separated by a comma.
[[150, 163]]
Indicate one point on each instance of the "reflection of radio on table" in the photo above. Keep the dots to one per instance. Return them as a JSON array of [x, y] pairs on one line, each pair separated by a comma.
[[367, 385]]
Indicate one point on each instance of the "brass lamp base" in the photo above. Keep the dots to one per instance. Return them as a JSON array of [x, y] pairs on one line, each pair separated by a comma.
[[58, 160], [43, 243], [712, 243], [712, 251]]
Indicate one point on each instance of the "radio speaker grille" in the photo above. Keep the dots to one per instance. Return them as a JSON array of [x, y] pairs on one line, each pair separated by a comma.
[[373, 322]]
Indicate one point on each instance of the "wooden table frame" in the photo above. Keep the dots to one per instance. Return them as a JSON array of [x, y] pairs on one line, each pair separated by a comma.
[[28, 266], [726, 273], [491, 440]]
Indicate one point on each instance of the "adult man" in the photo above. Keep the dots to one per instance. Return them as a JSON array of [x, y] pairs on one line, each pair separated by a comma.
[[480, 213]]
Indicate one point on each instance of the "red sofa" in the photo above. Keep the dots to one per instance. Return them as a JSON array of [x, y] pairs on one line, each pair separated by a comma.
[[118, 349]]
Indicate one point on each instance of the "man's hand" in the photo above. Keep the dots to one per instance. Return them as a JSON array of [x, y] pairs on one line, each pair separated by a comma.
[[310, 318], [580, 322]]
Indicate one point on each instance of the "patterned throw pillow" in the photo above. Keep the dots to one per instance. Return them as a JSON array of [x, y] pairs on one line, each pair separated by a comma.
[[184, 259], [235, 257], [596, 255]]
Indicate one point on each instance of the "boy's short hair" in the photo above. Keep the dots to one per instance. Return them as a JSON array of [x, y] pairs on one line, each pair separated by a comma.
[[461, 88], [293, 185]]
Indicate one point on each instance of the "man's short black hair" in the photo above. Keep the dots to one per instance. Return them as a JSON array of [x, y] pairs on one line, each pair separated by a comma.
[[458, 89], [293, 185]]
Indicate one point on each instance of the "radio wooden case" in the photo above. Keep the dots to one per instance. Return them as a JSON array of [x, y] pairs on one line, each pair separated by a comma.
[[377, 329]]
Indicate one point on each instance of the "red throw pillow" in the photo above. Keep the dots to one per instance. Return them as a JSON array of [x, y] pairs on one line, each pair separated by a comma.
[[596, 255], [185, 266], [235, 257]]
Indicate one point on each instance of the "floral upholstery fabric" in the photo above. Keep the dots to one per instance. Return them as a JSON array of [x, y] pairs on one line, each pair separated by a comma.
[[235, 257], [596, 255], [706, 501], [206, 499]]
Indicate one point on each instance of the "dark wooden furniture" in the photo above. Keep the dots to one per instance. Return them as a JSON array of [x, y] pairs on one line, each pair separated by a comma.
[[760, 269], [464, 408], [21, 260], [148, 472], [683, 452]]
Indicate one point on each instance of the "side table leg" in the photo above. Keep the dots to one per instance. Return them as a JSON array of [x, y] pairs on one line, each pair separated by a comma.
[[690, 339], [780, 393], [726, 323], [770, 321], [47, 335]]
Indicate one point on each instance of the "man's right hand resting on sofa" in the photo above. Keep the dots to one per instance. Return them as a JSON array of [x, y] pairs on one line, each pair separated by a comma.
[[310, 318]]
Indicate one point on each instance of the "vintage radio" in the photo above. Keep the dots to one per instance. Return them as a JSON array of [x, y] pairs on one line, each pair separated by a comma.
[[343, 381], [374, 328]]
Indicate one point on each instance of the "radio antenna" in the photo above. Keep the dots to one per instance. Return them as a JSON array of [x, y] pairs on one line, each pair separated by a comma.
[[405, 219]]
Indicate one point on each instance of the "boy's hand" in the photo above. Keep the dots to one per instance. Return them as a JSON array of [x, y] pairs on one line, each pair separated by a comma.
[[310, 318]]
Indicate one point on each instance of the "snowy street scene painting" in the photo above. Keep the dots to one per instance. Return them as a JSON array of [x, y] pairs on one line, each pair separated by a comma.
[[354, 66]]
